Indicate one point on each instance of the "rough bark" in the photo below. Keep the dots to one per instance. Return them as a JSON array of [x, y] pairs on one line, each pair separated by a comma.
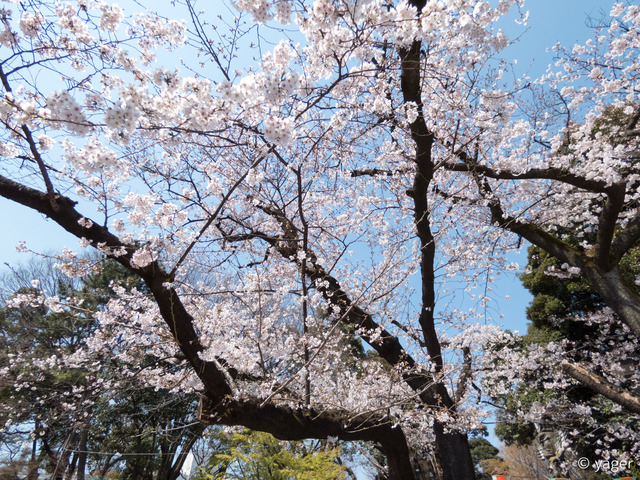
[[452, 449], [82, 453], [600, 385], [60, 463], [616, 294]]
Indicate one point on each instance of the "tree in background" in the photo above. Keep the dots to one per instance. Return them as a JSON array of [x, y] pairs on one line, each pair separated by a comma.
[[37, 388], [83, 412], [481, 451], [259, 456], [131, 430], [382, 149], [587, 422], [524, 461]]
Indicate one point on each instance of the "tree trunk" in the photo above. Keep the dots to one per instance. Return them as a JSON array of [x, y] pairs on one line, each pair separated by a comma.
[[455, 455], [616, 294], [34, 462], [82, 454], [62, 461], [107, 465], [398, 458], [72, 467], [197, 432]]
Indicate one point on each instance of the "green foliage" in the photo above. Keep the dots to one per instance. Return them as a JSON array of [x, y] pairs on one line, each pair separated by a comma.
[[524, 397], [144, 420], [482, 449], [555, 298], [558, 301], [250, 455], [106, 410]]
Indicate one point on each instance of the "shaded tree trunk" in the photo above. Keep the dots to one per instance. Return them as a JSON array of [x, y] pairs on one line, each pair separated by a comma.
[[616, 294], [82, 454], [197, 432], [60, 463], [455, 455], [106, 466]]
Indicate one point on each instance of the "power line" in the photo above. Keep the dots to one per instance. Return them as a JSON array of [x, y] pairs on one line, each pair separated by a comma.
[[118, 453]]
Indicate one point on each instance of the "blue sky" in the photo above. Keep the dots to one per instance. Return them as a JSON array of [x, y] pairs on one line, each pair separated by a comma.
[[550, 21]]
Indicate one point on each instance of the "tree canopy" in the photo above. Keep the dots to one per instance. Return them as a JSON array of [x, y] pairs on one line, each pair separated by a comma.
[[65, 400], [285, 176]]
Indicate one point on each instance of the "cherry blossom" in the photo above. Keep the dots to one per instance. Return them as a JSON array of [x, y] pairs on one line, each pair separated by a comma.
[[360, 181]]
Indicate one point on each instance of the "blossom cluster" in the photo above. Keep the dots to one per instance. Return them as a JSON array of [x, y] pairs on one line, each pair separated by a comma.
[[64, 110]]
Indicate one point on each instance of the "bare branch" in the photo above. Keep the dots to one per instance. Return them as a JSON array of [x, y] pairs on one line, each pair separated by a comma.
[[34, 150], [173, 312]]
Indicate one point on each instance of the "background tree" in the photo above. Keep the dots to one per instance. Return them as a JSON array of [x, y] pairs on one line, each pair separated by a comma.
[[255, 455], [481, 451], [83, 412], [560, 304], [37, 389]]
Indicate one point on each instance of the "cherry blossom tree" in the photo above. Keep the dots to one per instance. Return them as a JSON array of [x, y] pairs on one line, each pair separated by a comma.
[[562, 418], [334, 188], [69, 407]]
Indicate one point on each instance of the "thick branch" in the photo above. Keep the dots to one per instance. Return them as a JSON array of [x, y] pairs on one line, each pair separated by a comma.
[[423, 138], [287, 423], [383, 342], [371, 172], [601, 271], [173, 312], [537, 236], [605, 388], [605, 281], [621, 298], [195, 435], [557, 174], [607, 225], [626, 239], [465, 374]]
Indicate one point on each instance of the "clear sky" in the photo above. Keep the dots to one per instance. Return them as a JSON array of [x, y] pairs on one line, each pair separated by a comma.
[[550, 22]]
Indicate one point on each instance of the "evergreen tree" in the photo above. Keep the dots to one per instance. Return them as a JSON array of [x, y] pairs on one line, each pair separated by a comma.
[[482, 450], [249, 455], [81, 417], [561, 303]]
